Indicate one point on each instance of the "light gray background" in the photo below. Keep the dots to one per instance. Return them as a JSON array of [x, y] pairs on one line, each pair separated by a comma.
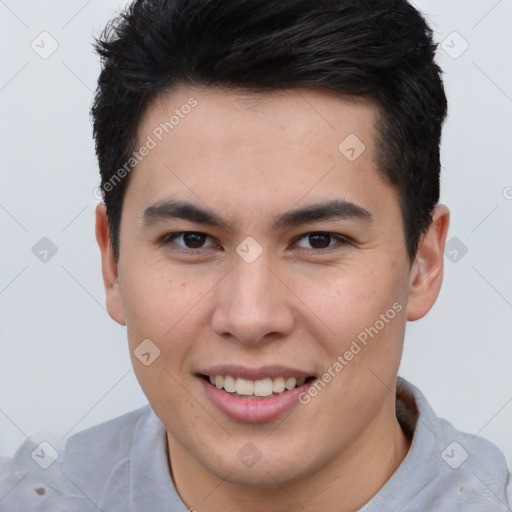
[[64, 364]]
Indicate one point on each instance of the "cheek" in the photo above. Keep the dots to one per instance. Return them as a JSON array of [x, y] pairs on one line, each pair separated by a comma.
[[158, 299], [163, 308], [351, 300], [365, 313]]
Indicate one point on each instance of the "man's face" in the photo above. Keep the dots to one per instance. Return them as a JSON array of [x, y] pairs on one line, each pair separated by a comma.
[[255, 292]]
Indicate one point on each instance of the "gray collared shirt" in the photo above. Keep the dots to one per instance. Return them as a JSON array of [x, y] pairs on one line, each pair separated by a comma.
[[122, 466]]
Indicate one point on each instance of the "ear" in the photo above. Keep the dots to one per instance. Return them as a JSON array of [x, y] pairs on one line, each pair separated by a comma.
[[109, 266], [427, 269]]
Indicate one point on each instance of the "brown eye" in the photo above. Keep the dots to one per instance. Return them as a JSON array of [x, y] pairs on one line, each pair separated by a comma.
[[194, 240], [188, 240], [317, 240]]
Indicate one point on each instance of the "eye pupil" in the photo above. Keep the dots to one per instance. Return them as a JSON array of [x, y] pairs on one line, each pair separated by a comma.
[[319, 240], [194, 240]]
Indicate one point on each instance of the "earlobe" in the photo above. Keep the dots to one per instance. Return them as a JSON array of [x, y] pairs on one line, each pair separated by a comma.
[[109, 266], [427, 270]]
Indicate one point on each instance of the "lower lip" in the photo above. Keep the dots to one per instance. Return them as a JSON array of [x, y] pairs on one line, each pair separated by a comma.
[[253, 410]]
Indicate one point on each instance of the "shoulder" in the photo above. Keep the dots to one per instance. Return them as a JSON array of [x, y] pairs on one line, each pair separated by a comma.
[[446, 469], [112, 438], [475, 472], [38, 476]]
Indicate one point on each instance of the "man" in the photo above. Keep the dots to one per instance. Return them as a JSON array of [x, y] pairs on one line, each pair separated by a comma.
[[270, 173]]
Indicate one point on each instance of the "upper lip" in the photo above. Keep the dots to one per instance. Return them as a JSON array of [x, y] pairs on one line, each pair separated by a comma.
[[262, 372]]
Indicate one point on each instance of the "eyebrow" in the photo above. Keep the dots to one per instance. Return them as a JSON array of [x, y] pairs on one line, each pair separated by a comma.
[[330, 210]]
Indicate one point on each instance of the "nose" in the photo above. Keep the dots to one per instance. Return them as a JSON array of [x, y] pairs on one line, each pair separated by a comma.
[[254, 304]]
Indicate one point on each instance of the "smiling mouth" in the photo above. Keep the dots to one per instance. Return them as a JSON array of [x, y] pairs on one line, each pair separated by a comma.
[[255, 389]]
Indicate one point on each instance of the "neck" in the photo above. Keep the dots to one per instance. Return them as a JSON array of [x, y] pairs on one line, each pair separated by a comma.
[[345, 485]]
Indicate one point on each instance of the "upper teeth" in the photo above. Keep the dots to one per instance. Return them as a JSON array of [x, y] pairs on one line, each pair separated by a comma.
[[263, 387]]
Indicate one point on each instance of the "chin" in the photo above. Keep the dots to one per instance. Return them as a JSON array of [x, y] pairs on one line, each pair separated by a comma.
[[270, 468], [263, 476]]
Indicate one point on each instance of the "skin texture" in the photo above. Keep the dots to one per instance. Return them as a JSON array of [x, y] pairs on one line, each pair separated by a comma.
[[249, 158]]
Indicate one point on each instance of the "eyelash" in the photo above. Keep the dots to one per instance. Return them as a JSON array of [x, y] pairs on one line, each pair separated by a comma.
[[171, 237]]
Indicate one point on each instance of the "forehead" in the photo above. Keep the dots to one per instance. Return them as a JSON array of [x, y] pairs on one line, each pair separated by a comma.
[[270, 148], [214, 114]]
